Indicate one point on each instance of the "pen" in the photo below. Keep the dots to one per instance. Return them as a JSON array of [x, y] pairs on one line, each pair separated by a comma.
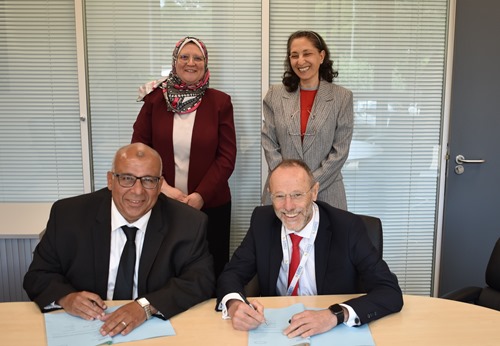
[[94, 303], [249, 304]]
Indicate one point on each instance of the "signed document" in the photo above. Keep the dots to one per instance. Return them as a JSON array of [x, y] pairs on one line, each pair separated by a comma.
[[64, 329], [272, 334]]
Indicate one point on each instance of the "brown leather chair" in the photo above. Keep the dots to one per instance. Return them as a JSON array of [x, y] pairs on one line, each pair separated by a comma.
[[488, 296], [374, 229]]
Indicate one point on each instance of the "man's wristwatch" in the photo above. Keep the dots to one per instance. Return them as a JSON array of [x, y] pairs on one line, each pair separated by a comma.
[[144, 303], [336, 309]]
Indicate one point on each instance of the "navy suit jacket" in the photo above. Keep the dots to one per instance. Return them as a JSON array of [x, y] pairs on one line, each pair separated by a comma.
[[344, 255], [175, 270]]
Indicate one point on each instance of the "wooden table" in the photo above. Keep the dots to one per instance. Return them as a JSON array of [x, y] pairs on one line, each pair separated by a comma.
[[423, 321]]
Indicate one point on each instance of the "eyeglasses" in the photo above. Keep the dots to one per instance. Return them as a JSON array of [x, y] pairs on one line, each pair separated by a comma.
[[294, 196], [196, 58], [128, 180]]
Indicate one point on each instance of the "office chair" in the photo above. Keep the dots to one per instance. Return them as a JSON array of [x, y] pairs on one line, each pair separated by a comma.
[[374, 229], [375, 233], [488, 296]]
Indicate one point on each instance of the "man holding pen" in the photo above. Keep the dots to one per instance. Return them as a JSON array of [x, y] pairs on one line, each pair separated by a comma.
[[127, 241], [301, 246]]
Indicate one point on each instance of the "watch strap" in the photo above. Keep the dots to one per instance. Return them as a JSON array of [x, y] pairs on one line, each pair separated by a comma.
[[144, 303], [337, 310]]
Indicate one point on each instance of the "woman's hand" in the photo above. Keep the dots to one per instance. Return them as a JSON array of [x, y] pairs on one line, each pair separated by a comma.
[[195, 200], [173, 192]]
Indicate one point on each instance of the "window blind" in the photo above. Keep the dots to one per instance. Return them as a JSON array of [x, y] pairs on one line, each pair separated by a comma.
[[40, 149], [391, 54], [131, 42]]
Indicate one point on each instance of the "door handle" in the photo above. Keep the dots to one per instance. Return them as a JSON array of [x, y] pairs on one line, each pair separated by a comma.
[[460, 159]]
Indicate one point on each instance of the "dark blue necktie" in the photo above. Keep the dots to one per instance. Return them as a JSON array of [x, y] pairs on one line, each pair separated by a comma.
[[124, 283]]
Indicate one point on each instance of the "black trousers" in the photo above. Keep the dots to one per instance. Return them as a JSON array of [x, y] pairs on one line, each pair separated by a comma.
[[218, 235]]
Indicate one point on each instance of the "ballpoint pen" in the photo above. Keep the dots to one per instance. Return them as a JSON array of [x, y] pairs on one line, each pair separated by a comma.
[[249, 304]]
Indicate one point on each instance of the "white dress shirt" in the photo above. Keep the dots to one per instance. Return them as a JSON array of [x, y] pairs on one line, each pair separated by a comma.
[[118, 240]]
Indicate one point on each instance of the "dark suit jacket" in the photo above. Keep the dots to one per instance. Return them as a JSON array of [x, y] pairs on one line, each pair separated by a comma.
[[343, 252], [175, 270], [213, 143]]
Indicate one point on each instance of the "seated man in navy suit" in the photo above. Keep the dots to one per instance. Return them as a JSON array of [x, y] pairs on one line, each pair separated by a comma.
[[78, 262], [333, 253]]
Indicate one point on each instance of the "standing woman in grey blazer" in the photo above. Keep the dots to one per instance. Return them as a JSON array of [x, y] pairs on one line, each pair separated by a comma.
[[308, 117]]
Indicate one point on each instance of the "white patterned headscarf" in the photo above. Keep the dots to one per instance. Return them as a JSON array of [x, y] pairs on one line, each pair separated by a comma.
[[181, 98]]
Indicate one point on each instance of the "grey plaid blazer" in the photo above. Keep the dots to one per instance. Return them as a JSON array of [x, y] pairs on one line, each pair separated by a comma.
[[327, 140]]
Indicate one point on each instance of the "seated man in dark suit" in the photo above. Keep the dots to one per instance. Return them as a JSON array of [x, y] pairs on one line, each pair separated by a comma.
[[333, 253], [78, 262]]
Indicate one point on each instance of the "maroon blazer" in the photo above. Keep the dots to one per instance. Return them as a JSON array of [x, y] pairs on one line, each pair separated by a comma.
[[213, 144]]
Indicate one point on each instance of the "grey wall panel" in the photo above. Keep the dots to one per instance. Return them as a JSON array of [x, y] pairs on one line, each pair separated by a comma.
[[15, 258]]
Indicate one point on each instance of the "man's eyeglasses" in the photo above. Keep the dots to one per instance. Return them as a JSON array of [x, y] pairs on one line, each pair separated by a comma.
[[196, 58], [128, 180], [294, 196]]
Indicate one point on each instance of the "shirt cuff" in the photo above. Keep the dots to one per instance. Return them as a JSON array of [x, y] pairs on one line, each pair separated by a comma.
[[52, 306], [222, 305], [353, 320]]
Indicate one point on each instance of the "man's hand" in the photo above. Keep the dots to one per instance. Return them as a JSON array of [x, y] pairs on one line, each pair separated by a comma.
[[310, 322], [86, 305], [243, 317], [123, 320]]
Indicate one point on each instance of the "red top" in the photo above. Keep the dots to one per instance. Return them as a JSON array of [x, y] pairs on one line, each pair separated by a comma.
[[306, 103]]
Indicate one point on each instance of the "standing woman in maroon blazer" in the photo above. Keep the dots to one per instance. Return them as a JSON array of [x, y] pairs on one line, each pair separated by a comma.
[[192, 128]]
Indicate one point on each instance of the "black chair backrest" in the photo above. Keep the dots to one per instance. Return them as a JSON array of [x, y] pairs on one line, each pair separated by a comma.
[[490, 295], [374, 229], [493, 269]]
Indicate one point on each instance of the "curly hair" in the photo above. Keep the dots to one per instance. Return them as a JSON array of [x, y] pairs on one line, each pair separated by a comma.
[[290, 79]]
